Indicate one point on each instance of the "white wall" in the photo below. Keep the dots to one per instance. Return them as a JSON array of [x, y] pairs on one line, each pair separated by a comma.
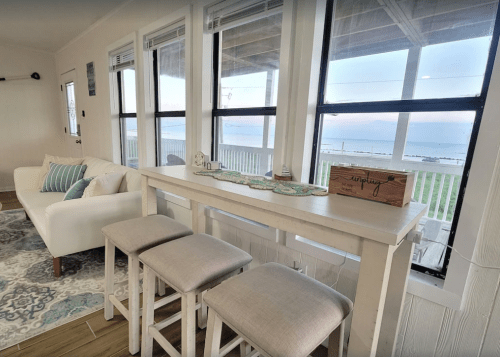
[[96, 126], [30, 118], [427, 329]]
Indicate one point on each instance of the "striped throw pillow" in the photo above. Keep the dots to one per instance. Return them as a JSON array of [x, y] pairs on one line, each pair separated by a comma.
[[61, 177], [77, 189]]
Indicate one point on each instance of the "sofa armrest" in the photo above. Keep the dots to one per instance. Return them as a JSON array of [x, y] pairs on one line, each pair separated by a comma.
[[26, 178], [75, 225]]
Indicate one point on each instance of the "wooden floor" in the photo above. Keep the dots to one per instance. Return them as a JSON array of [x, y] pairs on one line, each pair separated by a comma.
[[92, 335], [9, 201]]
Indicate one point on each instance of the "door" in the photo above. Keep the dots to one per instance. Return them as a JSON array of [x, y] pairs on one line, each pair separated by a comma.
[[72, 122]]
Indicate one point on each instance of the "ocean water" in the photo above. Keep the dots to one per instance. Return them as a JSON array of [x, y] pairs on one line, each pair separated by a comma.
[[444, 152], [417, 148]]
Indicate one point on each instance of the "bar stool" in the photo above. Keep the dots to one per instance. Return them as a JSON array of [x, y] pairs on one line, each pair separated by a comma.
[[278, 311], [133, 237], [189, 265]]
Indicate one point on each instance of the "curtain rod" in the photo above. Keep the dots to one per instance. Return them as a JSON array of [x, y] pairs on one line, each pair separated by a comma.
[[34, 75]]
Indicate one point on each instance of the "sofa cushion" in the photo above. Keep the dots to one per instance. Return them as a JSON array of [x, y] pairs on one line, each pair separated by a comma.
[[31, 199], [61, 177], [57, 160], [77, 189], [107, 184], [96, 167], [131, 179]]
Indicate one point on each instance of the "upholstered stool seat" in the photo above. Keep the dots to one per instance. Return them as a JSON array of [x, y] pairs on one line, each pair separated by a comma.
[[136, 235], [133, 237], [278, 311], [189, 265]]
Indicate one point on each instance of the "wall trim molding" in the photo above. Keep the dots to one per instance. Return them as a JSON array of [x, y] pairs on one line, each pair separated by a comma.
[[7, 189]]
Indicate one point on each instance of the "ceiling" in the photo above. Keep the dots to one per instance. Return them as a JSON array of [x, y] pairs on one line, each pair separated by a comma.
[[375, 26], [49, 24]]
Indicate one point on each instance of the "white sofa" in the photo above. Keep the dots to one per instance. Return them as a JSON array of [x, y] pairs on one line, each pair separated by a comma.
[[74, 226]]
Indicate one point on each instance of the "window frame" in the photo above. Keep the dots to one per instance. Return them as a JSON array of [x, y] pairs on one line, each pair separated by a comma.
[[229, 112], [66, 104], [161, 114], [123, 116], [408, 106]]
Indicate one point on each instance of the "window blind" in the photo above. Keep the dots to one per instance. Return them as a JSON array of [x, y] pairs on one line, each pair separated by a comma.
[[165, 35], [122, 58], [229, 13]]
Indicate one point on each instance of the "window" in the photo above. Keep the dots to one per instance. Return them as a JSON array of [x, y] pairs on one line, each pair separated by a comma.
[[402, 86], [122, 62], [168, 56], [246, 71], [71, 109]]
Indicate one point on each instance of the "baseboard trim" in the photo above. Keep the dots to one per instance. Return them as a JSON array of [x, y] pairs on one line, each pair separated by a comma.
[[7, 189]]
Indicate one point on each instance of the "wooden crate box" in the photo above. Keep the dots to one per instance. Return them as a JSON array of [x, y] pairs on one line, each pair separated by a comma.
[[386, 186]]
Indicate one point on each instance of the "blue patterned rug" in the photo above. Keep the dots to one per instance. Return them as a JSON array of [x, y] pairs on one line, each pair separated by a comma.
[[32, 300]]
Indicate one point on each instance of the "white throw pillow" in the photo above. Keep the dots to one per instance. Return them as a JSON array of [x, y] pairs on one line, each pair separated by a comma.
[[106, 184], [56, 160]]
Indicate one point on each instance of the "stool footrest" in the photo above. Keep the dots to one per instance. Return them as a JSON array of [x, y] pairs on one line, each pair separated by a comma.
[[230, 346], [117, 303], [166, 300], [256, 353], [167, 346], [169, 320]]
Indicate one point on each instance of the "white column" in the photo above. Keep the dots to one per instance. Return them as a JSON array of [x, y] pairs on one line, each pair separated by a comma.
[[409, 83]]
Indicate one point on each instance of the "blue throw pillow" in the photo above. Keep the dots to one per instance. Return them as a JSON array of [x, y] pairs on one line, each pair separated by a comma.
[[61, 177], [76, 191]]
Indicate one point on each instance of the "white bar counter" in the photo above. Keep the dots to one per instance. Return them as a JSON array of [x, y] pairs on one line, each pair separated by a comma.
[[371, 230]]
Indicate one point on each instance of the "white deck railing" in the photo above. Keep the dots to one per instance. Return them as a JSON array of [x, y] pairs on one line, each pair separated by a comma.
[[431, 187], [249, 160]]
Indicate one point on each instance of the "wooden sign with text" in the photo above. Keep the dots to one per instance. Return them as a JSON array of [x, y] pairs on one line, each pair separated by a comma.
[[391, 187]]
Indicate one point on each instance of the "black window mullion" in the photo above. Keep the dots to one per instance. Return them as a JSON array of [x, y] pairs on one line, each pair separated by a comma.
[[175, 113], [120, 96], [261, 111], [405, 106], [157, 119], [122, 116], [321, 89], [215, 98]]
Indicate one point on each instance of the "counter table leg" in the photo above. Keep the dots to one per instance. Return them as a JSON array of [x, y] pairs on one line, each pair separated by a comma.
[[370, 298], [396, 293], [149, 203], [198, 217]]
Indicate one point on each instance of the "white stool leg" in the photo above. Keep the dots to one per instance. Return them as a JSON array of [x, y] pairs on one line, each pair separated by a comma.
[[133, 304], [202, 312], [148, 298], [336, 341], [214, 332], [245, 348], [109, 275], [161, 287], [188, 305]]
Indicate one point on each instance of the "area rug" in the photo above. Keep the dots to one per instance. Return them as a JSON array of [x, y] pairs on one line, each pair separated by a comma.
[[32, 300]]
